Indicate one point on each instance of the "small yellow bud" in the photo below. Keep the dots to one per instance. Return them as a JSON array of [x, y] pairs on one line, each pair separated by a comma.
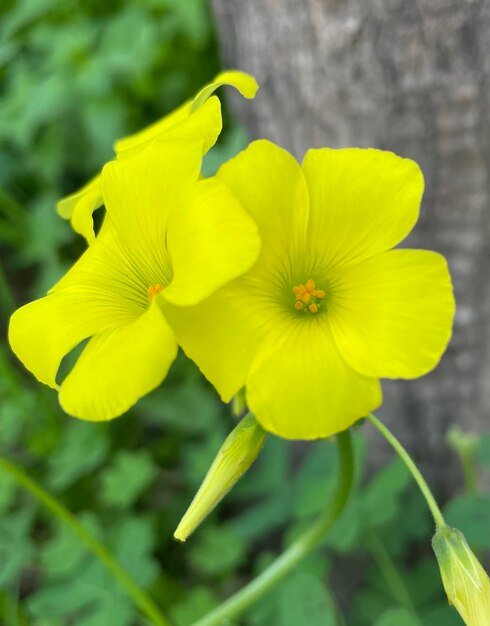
[[465, 581], [236, 455]]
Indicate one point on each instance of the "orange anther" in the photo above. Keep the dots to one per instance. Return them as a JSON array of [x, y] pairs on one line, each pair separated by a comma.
[[153, 290], [308, 296]]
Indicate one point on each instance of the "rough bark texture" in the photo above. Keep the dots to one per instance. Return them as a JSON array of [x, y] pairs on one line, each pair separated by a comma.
[[412, 76]]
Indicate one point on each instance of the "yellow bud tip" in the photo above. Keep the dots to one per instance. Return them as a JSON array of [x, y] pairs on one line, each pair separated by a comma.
[[153, 290]]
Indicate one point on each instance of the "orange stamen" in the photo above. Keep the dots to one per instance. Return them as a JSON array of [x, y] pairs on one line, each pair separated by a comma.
[[153, 290], [308, 296]]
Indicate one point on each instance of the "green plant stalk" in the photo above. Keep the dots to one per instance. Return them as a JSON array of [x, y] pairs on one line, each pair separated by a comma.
[[419, 479], [139, 597], [464, 445], [391, 574], [469, 472], [309, 540]]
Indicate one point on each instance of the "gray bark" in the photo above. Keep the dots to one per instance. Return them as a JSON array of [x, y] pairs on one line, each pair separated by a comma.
[[412, 76]]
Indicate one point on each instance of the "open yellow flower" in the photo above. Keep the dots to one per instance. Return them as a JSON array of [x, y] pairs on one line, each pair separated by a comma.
[[328, 308], [167, 236], [199, 118]]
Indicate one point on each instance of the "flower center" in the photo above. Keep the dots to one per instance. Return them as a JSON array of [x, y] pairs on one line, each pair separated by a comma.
[[153, 290], [308, 297]]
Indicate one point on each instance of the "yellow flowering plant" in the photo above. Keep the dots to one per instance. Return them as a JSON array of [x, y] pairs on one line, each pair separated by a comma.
[[279, 279]]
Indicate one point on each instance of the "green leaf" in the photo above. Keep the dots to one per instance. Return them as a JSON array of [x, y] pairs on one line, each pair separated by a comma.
[[301, 598], [305, 601], [397, 617], [198, 602], [381, 499], [7, 491], [470, 513], [347, 530], [188, 407], [16, 546], [82, 449], [441, 615], [89, 594], [133, 540], [218, 551], [64, 551], [127, 477]]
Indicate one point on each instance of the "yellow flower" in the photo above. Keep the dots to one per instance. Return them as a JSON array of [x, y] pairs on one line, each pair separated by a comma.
[[466, 583], [205, 124], [328, 308], [167, 236]]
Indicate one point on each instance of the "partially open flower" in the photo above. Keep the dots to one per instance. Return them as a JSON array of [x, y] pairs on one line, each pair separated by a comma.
[[465, 581], [204, 125]]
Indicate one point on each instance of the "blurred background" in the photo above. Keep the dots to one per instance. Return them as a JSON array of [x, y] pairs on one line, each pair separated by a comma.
[[75, 76]]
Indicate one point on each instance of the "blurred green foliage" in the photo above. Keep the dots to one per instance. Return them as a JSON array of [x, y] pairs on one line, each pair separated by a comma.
[[74, 76]]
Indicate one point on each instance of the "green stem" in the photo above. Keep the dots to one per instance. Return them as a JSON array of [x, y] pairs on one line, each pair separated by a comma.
[[391, 574], [464, 444], [420, 480], [139, 597], [309, 540]]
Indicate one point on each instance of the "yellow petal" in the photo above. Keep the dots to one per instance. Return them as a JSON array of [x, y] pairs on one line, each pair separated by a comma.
[[222, 333], [244, 83], [269, 183], [391, 315], [140, 194], [362, 202], [204, 126], [106, 271], [299, 387], [42, 332], [99, 292], [198, 119], [211, 240], [79, 207], [119, 366]]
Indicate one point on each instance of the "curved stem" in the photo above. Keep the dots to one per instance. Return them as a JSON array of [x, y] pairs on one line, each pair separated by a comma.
[[420, 480], [297, 551], [139, 597]]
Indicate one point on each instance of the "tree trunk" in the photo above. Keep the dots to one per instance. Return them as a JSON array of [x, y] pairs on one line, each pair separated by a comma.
[[412, 76]]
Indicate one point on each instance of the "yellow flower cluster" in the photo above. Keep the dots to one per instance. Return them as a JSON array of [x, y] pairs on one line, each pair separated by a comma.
[[275, 277]]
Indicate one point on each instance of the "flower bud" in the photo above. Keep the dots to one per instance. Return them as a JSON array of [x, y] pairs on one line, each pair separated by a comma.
[[239, 404], [465, 581], [236, 455]]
